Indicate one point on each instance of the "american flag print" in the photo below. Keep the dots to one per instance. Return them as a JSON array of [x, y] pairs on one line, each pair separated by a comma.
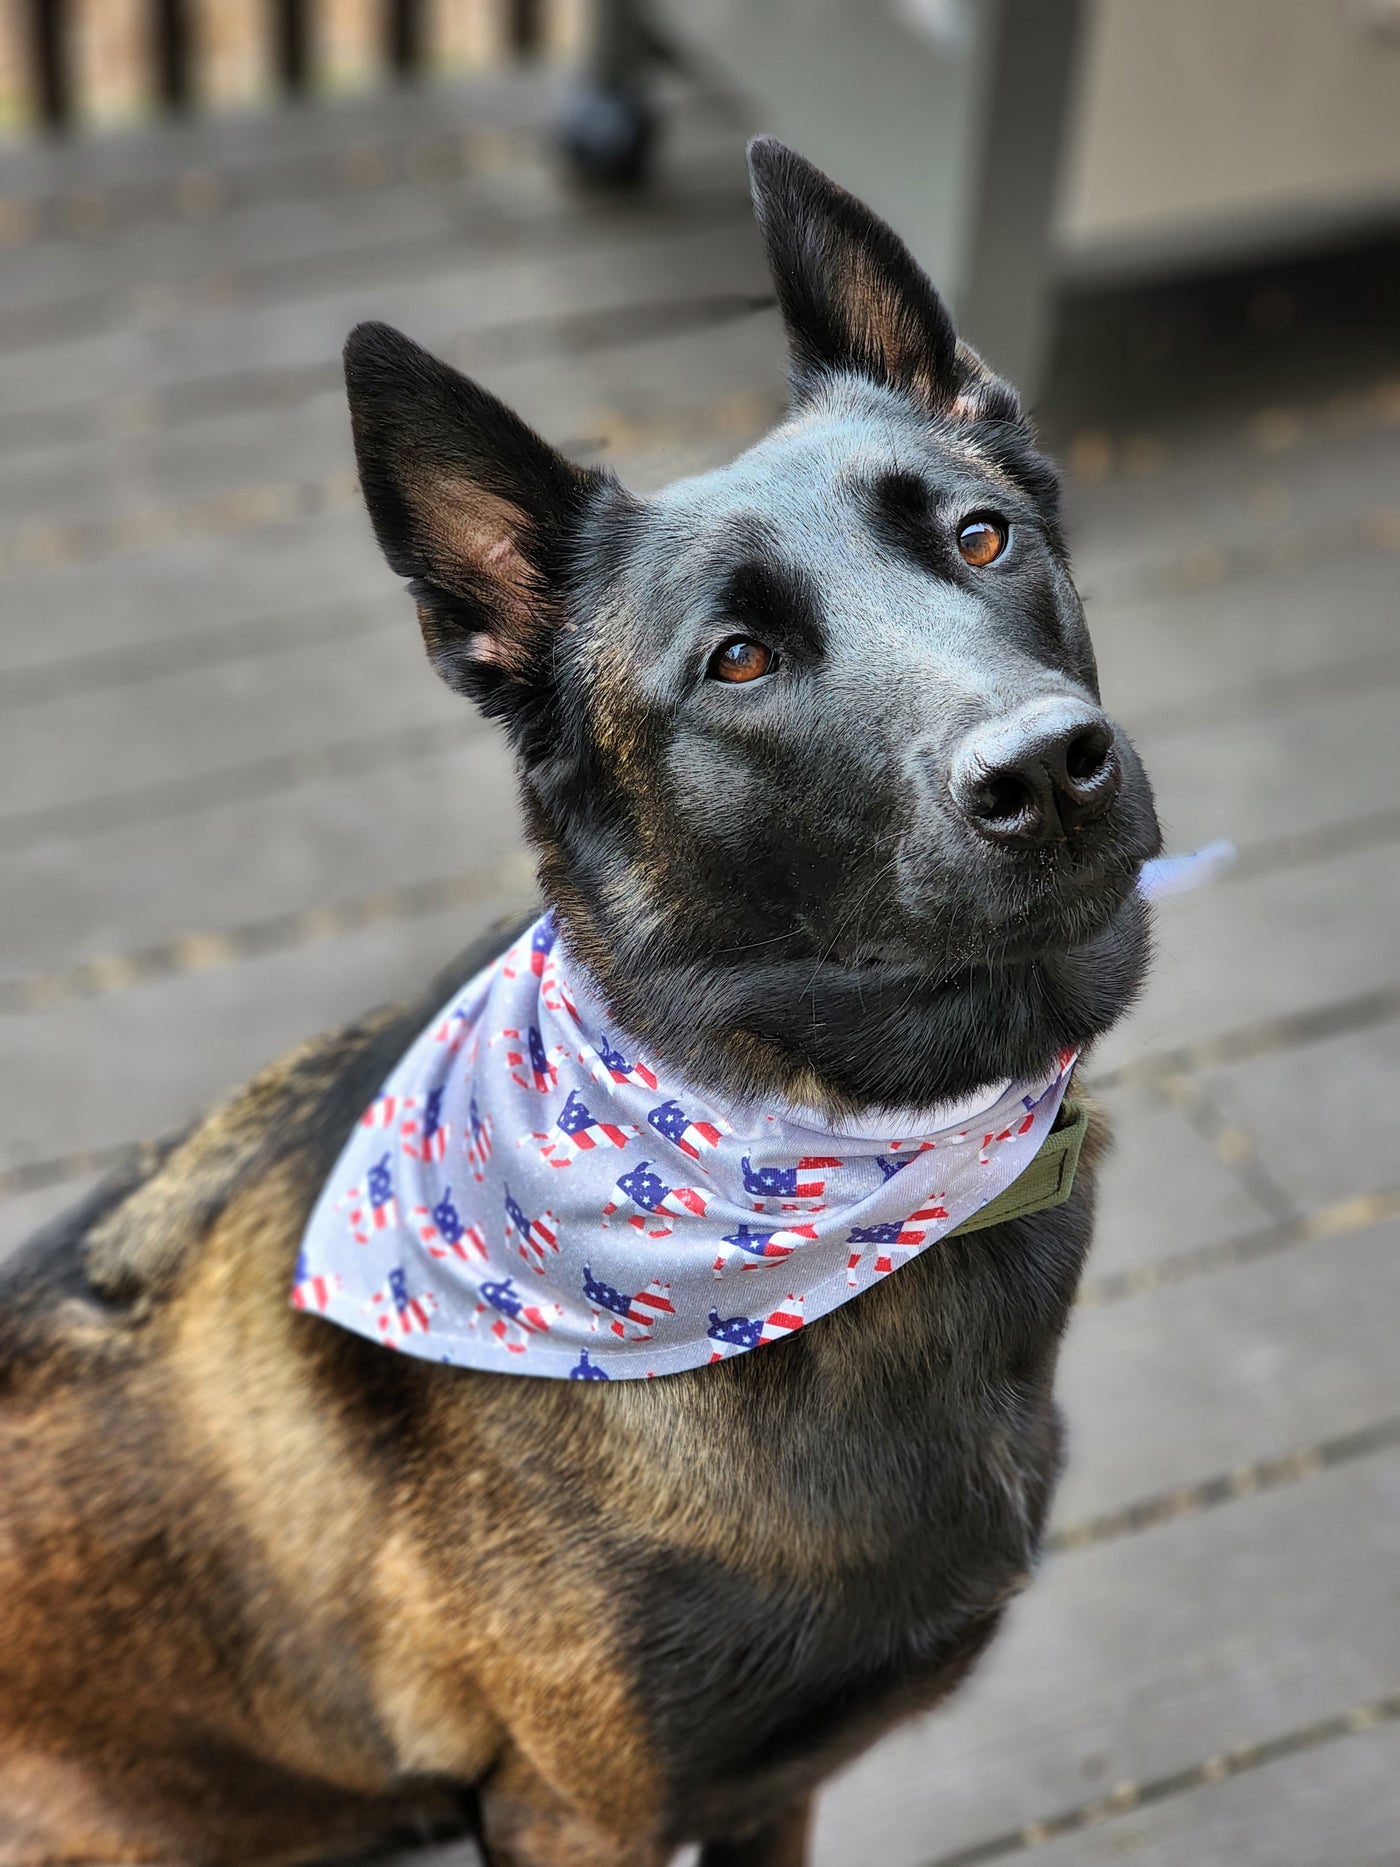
[[732, 1332], [993, 1139], [779, 1244], [312, 1289], [530, 1065], [374, 1207], [631, 1317], [670, 1121], [397, 1314], [453, 1032], [787, 1182], [426, 1136], [786, 1319], [532, 1192], [534, 1239], [387, 1111], [729, 1333], [644, 1188], [479, 1132], [897, 1236], [447, 1235], [577, 1130], [534, 953], [623, 1070], [510, 1319]]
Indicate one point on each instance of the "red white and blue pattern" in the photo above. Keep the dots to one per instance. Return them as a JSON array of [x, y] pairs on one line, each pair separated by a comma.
[[532, 1192], [397, 1313]]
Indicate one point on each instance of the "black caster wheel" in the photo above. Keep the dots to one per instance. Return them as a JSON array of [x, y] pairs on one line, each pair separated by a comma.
[[605, 135]]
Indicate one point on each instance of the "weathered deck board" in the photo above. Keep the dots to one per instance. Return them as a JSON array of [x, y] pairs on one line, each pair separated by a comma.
[[1127, 1662]]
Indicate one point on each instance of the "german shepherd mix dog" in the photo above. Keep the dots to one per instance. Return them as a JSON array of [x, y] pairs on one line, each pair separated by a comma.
[[812, 754]]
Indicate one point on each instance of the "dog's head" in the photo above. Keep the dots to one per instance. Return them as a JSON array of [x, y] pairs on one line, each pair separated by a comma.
[[811, 745]]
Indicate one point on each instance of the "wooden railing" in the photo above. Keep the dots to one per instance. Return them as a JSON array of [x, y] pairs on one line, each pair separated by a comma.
[[289, 25]]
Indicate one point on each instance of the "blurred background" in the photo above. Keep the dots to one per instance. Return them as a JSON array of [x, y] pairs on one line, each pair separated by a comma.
[[235, 806]]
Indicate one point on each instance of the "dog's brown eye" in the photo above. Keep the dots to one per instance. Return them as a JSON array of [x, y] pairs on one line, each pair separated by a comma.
[[741, 660], [983, 539]]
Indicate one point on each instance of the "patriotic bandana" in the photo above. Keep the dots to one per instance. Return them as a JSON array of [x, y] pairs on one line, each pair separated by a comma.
[[531, 1192]]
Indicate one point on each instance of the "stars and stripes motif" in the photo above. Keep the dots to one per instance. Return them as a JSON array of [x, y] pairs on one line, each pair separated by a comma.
[[787, 1182], [447, 1229], [534, 1239], [453, 1032], [541, 944], [892, 1241], [577, 1130], [510, 1319], [312, 1289], [387, 1111], [780, 1244], [992, 1139], [621, 1070], [644, 1188], [727, 1334], [631, 1317], [479, 1144], [373, 1207], [670, 1121], [447, 1235], [397, 1313], [426, 1136], [530, 1064]]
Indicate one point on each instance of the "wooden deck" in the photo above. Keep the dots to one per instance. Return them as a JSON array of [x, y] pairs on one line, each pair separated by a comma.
[[228, 780]]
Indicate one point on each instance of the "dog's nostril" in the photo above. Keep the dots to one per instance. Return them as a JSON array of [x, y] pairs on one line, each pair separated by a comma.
[[1003, 797], [1038, 774], [1087, 753]]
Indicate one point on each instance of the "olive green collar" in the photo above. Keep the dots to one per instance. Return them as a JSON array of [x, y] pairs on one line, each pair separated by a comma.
[[1049, 1179]]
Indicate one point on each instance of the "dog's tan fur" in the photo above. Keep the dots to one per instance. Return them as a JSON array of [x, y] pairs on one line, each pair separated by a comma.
[[267, 1592]]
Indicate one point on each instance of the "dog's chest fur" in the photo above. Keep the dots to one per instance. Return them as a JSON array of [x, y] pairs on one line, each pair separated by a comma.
[[897, 1469]]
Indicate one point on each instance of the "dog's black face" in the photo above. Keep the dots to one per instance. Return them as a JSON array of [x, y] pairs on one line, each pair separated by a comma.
[[811, 745]]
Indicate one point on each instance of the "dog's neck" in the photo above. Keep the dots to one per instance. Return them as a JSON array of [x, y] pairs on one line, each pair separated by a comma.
[[843, 1040]]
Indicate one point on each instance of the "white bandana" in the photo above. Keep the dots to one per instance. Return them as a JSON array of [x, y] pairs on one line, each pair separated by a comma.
[[529, 1193]]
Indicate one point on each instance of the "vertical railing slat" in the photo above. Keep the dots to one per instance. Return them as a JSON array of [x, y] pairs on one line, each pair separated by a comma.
[[291, 43], [170, 43], [524, 22], [48, 39], [403, 36]]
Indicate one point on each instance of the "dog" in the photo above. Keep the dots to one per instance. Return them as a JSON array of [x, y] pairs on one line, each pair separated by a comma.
[[812, 754]]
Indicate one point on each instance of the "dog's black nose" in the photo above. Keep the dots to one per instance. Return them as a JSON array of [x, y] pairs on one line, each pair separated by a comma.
[[1035, 775]]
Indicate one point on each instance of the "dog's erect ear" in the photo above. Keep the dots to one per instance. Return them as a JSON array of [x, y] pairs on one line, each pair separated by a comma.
[[851, 294], [472, 506]]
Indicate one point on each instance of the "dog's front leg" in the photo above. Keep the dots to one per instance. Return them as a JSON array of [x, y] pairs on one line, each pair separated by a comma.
[[782, 1843], [526, 1823]]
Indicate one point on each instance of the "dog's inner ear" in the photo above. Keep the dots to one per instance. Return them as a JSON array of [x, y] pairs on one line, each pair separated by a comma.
[[851, 294], [471, 505]]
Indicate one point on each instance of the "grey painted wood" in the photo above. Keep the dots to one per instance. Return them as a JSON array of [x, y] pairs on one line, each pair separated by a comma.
[[1248, 1364], [1338, 1803], [65, 751], [1324, 1123], [329, 839], [23, 1214], [1162, 1190], [96, 1073], [1292, 773], [1257, 948], [1141, 1657]]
